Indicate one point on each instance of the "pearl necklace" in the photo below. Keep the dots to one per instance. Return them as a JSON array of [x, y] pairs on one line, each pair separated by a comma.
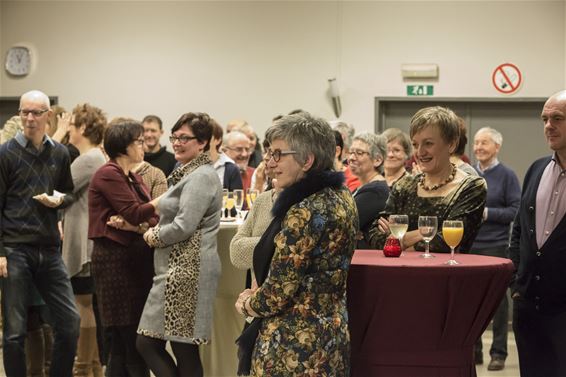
[[436, 187]]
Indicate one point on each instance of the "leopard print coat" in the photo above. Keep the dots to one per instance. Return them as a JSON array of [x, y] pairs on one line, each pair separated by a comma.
[[187, 266]]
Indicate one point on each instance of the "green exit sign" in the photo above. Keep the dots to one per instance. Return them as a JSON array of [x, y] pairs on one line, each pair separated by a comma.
[[420, 90]]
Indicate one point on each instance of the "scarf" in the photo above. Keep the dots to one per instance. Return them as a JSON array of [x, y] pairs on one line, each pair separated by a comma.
[[182, 171]]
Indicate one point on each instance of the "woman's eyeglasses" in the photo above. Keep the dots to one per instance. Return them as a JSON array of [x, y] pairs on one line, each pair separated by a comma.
[[277, 153], [181, 139], [359, 153]]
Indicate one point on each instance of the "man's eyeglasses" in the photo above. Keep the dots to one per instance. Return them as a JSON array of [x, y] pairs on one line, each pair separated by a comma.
[[239, 149], [139, 141], [358, 153], [277, 153], [34, 113], [183, 139]]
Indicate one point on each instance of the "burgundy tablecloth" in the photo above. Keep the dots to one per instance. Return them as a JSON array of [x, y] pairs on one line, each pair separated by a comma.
[[415, 317]]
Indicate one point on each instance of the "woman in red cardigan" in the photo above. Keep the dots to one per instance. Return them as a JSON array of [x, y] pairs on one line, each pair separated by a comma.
[[122, 263]]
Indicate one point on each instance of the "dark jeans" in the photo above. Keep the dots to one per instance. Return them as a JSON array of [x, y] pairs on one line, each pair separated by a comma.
[[501, 316], [44, 268], [541, 340]]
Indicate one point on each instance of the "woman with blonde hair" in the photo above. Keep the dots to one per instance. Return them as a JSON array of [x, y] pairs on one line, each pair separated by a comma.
[[441, 189]]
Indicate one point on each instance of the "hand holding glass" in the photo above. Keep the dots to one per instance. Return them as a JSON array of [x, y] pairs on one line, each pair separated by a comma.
[[398, 225], [453, 231], [427, 228]]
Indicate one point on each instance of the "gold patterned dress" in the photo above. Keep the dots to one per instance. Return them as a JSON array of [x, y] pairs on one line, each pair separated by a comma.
[[465, 203]]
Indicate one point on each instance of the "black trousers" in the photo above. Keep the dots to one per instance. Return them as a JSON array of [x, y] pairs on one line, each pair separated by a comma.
[[501, 316], [541, 340]]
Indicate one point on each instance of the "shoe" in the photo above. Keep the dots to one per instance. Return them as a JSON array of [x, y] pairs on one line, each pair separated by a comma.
[[496, 363]]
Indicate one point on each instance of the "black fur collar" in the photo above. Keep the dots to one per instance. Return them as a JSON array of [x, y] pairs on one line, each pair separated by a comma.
[[312, 183]]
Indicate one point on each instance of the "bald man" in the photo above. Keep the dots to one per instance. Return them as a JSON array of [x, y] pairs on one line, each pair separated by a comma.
[[538, 250], [32, 167]]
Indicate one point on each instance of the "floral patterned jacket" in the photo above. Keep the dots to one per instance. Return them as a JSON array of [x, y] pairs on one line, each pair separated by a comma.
[[303, 300]]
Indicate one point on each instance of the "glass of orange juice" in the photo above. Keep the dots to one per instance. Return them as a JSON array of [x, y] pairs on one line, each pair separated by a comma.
[[230, 202], [452, 231], [253, 193]]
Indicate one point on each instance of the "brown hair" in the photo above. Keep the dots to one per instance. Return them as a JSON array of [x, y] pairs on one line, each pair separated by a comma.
[[201, 124], [52, 120], [217, 133], [94, 121], [441, 117]]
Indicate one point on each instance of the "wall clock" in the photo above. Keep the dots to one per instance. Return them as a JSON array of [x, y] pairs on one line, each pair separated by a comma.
[[18, 61]]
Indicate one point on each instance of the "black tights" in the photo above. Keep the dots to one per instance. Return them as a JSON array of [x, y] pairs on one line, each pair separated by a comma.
[[124, 359], [162, 364]]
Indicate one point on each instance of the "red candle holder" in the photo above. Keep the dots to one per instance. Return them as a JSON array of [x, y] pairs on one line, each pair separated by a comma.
[[392, 247]]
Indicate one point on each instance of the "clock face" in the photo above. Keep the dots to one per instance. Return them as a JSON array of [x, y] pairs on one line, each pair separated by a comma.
[[18, 61]]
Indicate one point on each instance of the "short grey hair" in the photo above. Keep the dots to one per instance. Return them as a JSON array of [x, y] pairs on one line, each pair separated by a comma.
[[36, 96], [377, 146], [234, 136], [346, 130], [495, 135], [306, 134]]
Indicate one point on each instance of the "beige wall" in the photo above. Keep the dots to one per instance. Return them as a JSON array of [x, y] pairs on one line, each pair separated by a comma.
[[253, 60]]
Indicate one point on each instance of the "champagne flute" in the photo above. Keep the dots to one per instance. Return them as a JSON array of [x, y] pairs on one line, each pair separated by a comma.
[[230, 204], [398, 225], [427, 228], [238, 201], [224, 199], [453, 231]]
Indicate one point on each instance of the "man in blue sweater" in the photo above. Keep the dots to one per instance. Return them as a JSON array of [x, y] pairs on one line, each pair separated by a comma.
[[32, 168], [503, 198]]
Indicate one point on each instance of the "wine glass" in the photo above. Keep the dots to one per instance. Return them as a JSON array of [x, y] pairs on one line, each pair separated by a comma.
[[224, 198], [238, 201], [398, 225], [229, 205], [453, 231], [427, 228]]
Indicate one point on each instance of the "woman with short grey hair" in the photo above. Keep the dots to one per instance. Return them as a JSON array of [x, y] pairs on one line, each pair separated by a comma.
[[305, 137], [302, 260], [366, 157]]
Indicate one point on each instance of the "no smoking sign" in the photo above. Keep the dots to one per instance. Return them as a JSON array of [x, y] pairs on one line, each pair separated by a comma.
[[507, 78]]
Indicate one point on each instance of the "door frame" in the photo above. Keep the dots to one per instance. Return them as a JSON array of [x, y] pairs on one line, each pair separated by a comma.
[[382, 102]]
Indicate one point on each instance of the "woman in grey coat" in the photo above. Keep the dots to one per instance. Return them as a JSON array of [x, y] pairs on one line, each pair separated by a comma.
[[187, 266]]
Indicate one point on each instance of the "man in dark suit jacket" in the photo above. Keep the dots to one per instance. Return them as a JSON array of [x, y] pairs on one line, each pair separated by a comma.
[[538, 250]]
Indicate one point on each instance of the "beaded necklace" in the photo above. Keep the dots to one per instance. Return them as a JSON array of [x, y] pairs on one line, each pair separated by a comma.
[[436, 187]]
